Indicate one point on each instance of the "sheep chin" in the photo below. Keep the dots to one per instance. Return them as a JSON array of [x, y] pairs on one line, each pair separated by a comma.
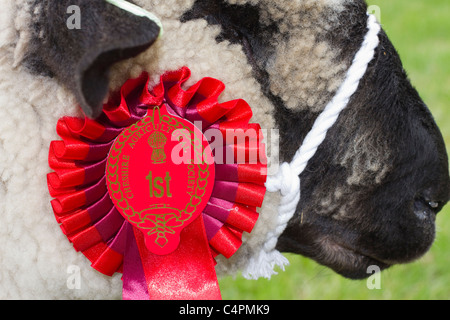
[[346, 261]]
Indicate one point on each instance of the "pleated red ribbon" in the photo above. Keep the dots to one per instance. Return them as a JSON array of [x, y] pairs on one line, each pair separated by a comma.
[[98, 227]]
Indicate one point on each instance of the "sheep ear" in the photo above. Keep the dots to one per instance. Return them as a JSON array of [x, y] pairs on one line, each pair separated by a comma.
[[78, 41]]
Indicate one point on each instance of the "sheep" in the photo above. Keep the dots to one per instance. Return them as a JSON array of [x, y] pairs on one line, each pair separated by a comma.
[[368, 197]]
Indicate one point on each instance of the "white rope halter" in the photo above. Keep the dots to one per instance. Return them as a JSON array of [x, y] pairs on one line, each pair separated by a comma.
[[287, 180]]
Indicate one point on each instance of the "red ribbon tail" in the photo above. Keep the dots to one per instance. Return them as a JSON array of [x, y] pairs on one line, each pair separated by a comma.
[[134, 283], [186, 274]]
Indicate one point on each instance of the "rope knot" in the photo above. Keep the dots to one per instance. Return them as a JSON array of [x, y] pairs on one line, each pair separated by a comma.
[[282, 181], [288, 184]]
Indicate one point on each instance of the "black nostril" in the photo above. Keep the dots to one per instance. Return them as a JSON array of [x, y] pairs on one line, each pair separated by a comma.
[[432, 199]]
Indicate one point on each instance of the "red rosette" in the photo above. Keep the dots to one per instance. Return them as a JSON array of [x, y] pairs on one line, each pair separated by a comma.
[[81, 203]]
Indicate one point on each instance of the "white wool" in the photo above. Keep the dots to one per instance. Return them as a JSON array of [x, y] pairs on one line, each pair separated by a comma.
[[34, 254]]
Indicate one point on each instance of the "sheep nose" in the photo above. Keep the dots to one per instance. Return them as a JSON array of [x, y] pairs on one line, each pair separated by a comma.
[[430, 202]]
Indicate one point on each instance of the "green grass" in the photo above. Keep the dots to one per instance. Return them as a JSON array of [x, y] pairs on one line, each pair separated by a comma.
[[419, 30]]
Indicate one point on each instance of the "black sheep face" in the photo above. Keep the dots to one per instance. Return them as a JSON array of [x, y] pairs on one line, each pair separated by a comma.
[[371, 194]]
